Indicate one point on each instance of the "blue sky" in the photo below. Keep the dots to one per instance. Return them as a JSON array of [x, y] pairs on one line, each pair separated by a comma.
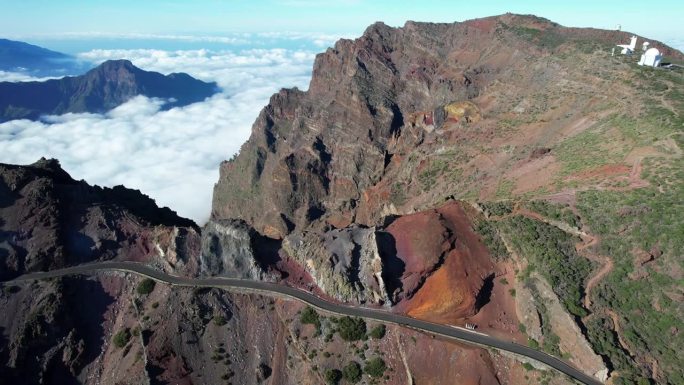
[[27, 18]]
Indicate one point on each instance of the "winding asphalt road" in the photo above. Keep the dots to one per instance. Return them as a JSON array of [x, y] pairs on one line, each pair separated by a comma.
[[273, 288]]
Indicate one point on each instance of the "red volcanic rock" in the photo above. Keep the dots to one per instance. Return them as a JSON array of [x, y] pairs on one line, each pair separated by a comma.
[[421, 241], [328, 154], [460, 284]]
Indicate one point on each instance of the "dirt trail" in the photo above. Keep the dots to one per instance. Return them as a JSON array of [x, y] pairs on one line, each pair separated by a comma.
[[588, 240], [618, 331], [517, 210], [634, 181], [584, 249], [607, 267]]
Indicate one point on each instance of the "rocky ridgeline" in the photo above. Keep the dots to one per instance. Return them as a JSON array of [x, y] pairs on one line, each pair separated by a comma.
[[49, 221], [346, 189], [101, 89]]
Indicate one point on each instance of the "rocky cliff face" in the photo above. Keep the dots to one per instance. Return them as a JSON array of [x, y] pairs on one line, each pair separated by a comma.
[[230, 248], [101, 89], [387, 108], [49, 220], [352, 269], [356, 189], [394, 123], [356, 170]]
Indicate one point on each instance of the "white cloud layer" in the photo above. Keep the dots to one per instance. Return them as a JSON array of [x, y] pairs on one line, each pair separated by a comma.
[[8, 76], [269, 39], [173, 155]]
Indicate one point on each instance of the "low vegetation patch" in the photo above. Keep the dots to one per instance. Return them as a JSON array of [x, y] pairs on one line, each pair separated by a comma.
[[497, 209], [146, 286], [558, 212], [398, 194], [505, 189], [332, 376], [219, 320], [378, 332], [11, 289], [121, 338], [375, 367], [646, 222], [552, 252], [491, 238], [352, 372], [351, 328], [310, 316], [428, 177]]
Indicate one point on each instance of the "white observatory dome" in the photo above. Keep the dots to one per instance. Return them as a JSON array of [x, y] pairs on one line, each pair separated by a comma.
[[651, 58]]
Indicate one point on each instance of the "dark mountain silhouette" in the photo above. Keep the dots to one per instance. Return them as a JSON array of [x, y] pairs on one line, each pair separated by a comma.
[[99, 90], [17, 56]]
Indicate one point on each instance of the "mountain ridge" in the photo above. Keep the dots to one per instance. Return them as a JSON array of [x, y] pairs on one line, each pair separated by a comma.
[[17, 56], [101, 89], [505, 172], [500, 112]]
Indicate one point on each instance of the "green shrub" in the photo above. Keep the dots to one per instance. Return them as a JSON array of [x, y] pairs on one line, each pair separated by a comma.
[[497, 208], [332, 376], [121, 338], [550, 343], [531, 342], [398, 194], [558, 212], [352, 329], [375, 367], [11, 289], [352, 372], [522, 328], [490, 237], [310, 316], [219, 320], [378, 332], [552, 252], [146, 286]]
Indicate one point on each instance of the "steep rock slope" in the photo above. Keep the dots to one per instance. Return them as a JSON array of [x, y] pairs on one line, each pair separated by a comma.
[[64, 332], [48, 220], [355, 146], [110, 84], [504, 110]]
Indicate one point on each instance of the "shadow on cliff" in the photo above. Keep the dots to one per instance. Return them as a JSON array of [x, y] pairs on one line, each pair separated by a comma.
[[485, 293], [393, 266], [7, 197], [87, 303], [267, 252], [4, 354], [72, 323], [143, 207]]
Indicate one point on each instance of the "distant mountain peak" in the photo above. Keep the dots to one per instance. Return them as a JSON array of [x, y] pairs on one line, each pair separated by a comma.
[[116, 64], [103, 88], [17, 56]]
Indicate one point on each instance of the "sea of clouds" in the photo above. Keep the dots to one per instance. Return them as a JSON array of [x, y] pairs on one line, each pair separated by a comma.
[[173, 155]]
